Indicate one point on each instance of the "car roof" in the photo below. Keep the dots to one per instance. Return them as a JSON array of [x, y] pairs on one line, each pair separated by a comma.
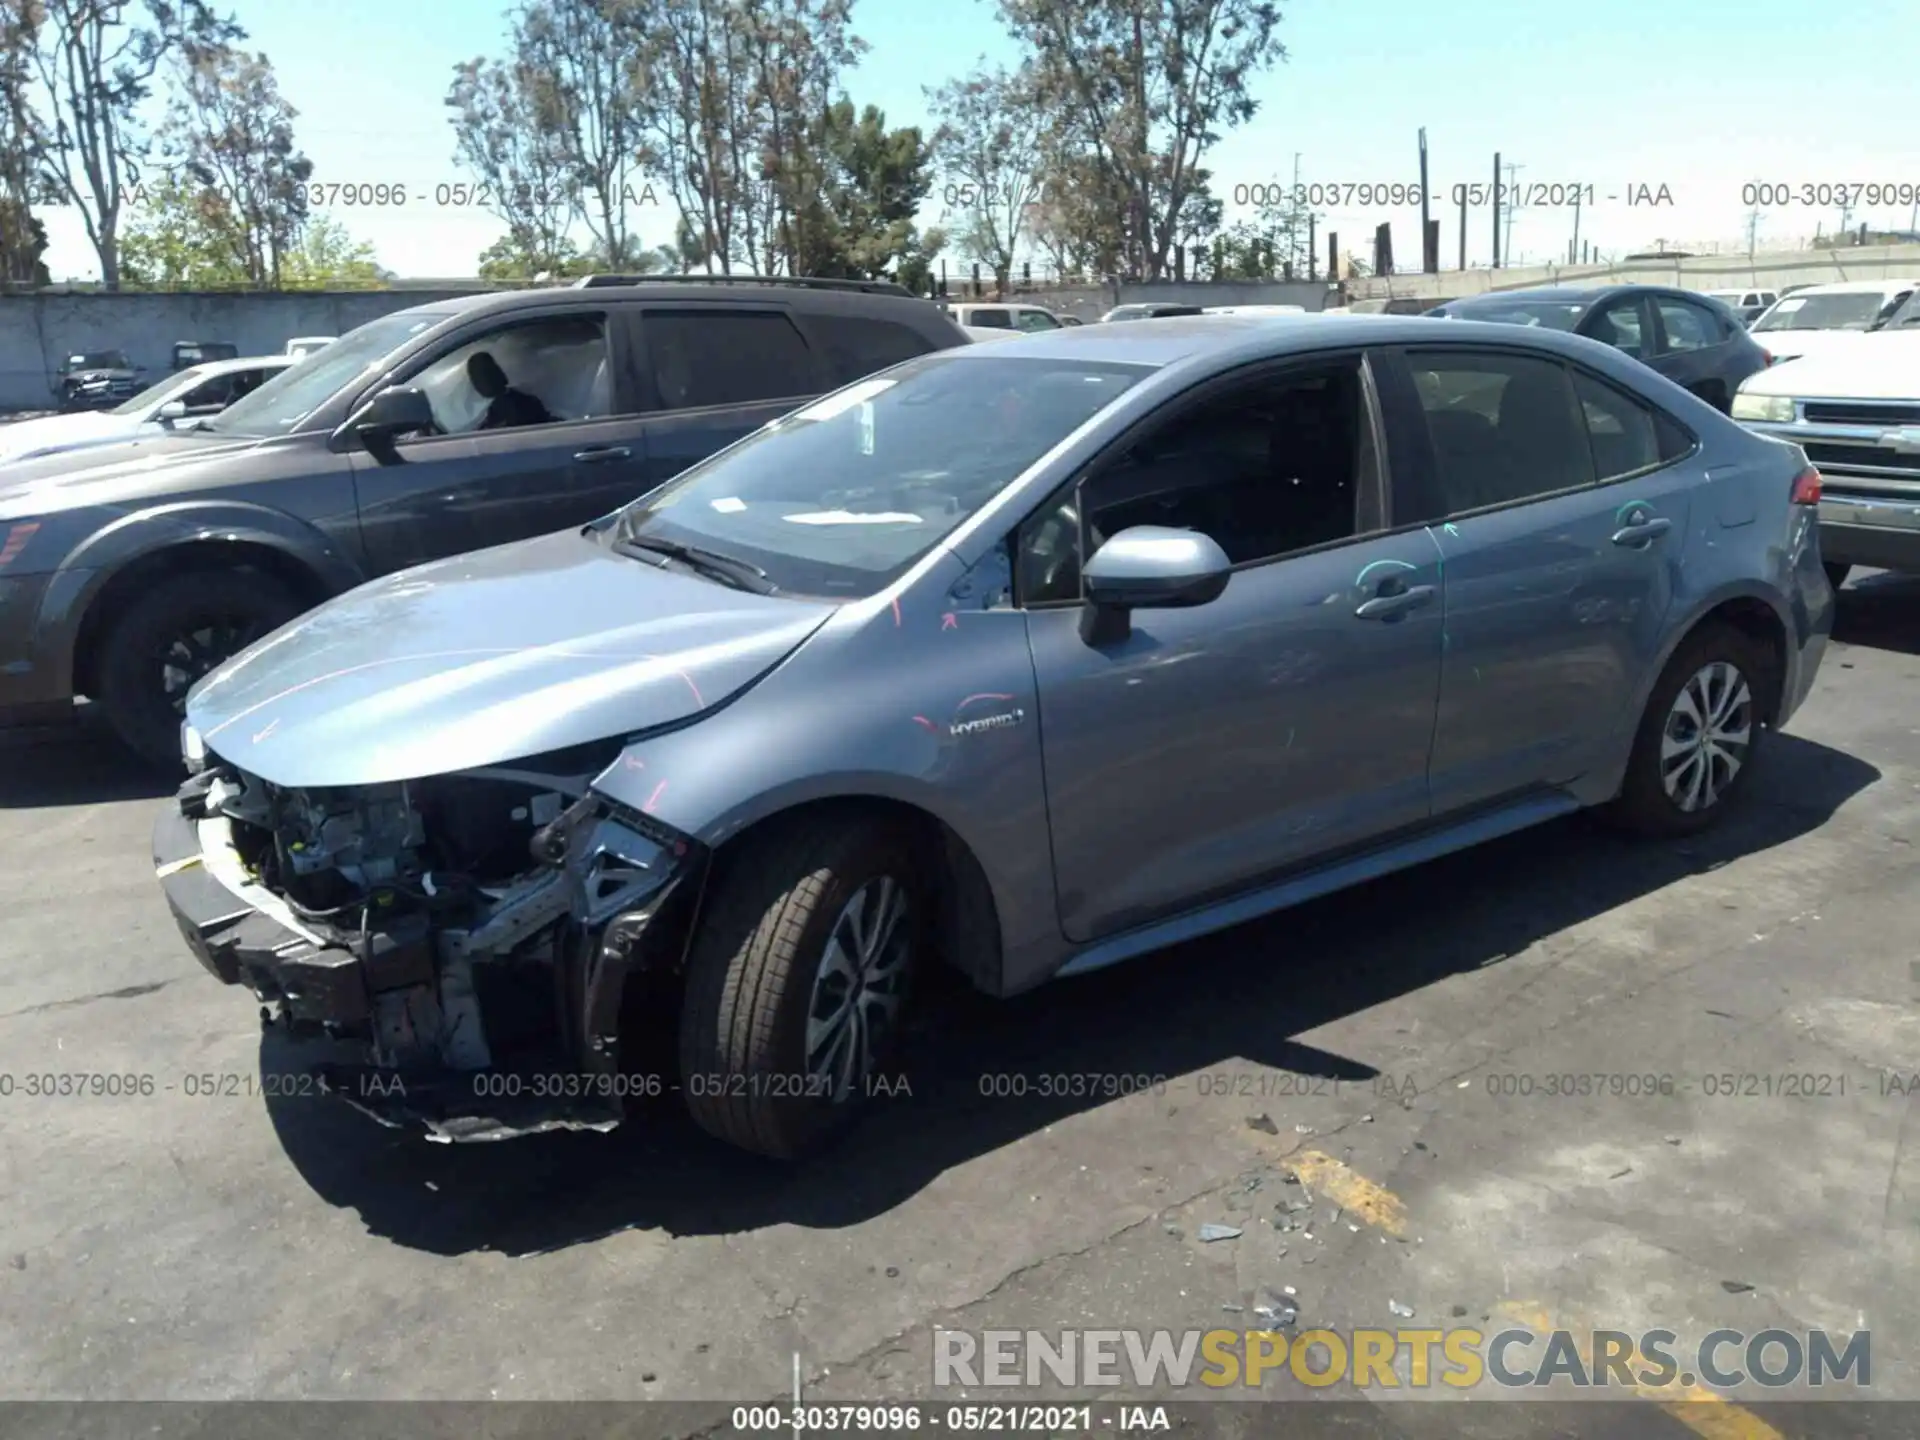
[[1859, 287], [670, 291], [1245, 338], [1577, 294]]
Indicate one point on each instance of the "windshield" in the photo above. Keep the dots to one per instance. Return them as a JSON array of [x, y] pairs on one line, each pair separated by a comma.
[[1855, 310], [99, 360], [1552, 314], [278, 407], [156, 395], [839, 498]]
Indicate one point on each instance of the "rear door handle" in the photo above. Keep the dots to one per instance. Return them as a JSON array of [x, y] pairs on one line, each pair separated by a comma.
[[1385, 607], [1642, 532], [600, 453]]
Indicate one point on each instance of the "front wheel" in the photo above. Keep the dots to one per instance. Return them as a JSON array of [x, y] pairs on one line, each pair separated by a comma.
[[170, 636], [796, 982], [1699, 736]]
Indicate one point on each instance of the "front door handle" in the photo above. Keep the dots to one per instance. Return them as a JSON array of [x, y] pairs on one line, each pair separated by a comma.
[[600, 453], [1385, 607], [1642, 532]]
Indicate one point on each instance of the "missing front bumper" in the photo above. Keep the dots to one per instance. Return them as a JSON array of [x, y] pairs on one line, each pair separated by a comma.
[[407, 979]]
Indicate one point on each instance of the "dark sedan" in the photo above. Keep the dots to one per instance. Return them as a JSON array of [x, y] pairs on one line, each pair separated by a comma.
[[1695, 342]]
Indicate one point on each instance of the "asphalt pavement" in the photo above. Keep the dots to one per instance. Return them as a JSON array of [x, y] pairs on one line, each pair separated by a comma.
[[1400, 1054]]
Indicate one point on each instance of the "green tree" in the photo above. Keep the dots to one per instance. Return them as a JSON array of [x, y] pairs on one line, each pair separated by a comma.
[[93, 63], [23, 238], [1137, 92], [179, 240], [988, 150], [860, 223], [519, 166], [231, 134], [327, 257]]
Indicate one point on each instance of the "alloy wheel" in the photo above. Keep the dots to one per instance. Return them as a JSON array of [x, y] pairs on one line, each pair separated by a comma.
[[859, 986], [193, 652], [1707, 737]]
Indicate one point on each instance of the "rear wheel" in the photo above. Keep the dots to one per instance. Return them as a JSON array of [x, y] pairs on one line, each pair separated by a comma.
[[1837, 573], [1699, 736], [169, 637], [796, 983]]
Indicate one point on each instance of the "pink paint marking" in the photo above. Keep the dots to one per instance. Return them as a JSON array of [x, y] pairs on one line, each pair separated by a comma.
[[654, 798], [949, 621], [932, 728], [634, 762], [990, 695], [896, 612]]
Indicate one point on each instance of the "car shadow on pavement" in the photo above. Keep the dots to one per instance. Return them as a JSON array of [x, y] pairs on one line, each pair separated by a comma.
[[73, 760], [1239, 995], [1882, 611]]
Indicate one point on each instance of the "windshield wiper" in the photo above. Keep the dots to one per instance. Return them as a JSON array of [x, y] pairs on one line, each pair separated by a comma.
[[727, 569]]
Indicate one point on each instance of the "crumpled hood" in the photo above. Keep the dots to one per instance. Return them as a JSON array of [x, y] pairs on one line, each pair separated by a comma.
[[489, 657], [25, 436]]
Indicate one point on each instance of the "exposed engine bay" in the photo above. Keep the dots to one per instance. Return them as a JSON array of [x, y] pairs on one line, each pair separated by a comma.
[[460, 926]]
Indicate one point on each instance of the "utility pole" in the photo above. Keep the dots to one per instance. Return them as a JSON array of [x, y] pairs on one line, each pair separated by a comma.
[[1512, 190], [1496, 209], [1573, 248], [1463, 227], [1293, 213], [1429, 253]]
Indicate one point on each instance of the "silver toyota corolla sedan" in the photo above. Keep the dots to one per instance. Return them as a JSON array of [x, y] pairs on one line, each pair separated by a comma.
[[1023, 659]]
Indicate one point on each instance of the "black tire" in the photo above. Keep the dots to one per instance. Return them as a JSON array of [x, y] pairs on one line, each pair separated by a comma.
[[1837, 573], [751, 973], [1644, 805], [211, 614]]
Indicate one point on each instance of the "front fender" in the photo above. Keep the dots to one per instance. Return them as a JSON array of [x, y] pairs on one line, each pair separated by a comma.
[[90, 565], [937, 711]]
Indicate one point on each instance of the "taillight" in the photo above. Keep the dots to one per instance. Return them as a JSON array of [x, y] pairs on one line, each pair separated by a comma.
[[16, 541], [1767, 355], [1806, 487]]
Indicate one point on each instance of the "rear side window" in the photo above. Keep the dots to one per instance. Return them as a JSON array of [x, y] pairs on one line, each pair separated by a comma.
[[725, 357], [1627, 435], [1688, 327], [859, 345], [1504, 427]]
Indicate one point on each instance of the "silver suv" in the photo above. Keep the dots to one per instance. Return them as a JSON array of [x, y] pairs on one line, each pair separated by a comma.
[[1023, 659]]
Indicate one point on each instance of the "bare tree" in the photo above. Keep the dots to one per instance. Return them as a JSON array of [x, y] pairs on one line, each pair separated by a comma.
[[521, 172], [1143, 88], [22, 236], [231, 133], [579, 76], [93, 67], [988, 148]]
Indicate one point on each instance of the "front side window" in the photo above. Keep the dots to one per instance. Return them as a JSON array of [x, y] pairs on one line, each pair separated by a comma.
[[282, 404], [839, 498], [174, 387], [989, 318], [1265, 468], [1032, 320], [1619, 325], [533, 372], [726, 357], [1503, 427], [1551, 314]]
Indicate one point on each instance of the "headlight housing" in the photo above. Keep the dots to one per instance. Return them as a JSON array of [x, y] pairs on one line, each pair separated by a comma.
[[193, 749], [1776, 409]]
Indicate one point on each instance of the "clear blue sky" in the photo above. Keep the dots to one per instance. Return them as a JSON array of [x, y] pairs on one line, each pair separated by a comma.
[[1699, 98]]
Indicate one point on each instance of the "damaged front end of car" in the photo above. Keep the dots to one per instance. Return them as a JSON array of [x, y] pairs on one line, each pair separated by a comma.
[[475, 933]]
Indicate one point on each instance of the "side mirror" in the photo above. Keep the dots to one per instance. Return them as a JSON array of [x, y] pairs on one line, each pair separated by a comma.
[[1149, 567], [395, 411], [172, 411]]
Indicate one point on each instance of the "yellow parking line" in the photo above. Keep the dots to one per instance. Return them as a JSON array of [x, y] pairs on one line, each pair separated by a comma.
[[174, 867], [1706, 1412], [1358, 1197]]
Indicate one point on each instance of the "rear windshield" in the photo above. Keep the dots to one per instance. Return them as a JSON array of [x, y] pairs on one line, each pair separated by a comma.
[[1856, 310]]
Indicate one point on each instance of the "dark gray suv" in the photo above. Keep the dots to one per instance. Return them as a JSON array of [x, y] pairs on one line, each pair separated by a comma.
[[127, 574]]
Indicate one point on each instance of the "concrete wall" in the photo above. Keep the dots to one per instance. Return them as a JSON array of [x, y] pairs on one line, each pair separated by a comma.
[[1763, 271], [1090, 302], [40, 329]]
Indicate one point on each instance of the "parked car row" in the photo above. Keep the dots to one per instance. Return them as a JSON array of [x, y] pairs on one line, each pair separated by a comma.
[[192, 394], [99, 379], [1024, 658]]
